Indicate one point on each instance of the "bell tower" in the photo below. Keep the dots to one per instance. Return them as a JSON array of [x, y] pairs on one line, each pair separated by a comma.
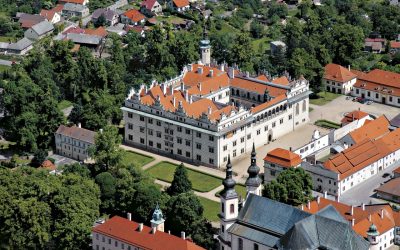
[[253, 182], [372, 236], [205, 50], [157, 220], [229, 207]]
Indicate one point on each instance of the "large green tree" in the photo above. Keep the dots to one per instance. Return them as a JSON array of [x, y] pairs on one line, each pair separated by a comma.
[[181, 183]]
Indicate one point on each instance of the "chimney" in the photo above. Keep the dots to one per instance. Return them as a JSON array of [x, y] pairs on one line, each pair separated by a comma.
[[211, 74], [353, 222], [190, 68], [146, 89], [129, 216], [231, 72], [326, 195], [191, 99], [101, 131], [352, 117], [209, 110], [173, 101], [169, 231], [247, 74], [352, 210], [79, 125], [222, 67], [164, 89], [182, 86], [183, 236], [309, 205], [318, 199], [200, 86], [369, 217], [153, 230], [349, 67], [140, 227], [186, 95], [381, 213], [302, 207], [363, 206], [200, 70]]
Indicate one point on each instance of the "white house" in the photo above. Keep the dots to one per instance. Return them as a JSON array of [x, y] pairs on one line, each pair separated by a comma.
[[51, 15], [179, 5], [278, 160], [338, 79]]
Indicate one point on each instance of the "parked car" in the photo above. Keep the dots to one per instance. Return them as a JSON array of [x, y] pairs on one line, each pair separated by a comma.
[[348, 97], [370, 102], [385, 175]]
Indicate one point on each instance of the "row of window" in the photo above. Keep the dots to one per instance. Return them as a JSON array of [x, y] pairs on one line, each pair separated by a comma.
[[377, 96], [116, 244]]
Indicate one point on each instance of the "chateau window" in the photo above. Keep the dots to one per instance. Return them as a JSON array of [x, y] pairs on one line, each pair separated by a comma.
[[211, 161], [234, 153], [390, 99], [198, 145], [130, 137], [198, 157], [130, 115], [211, 138], [273, 124], [232, 208], [142, 140], [304, 105], [297, 109], [225, 147], [290, 117], [234, 143], [151, 143], [266, 128], [225, 159], [179, 152], [130, 126], [258, 132], [187, 143], [198, 134], [211, 149], [179, 129], [240, 244], [368, 93], [357, 91], [377, 95], [281, 121], [150, 131], [141, 117], [187, 154], [242, 139], [150, 121], [158, 134], [242, 150], [188, 131], [248, 136], [179, 140], [159, 145], [255, 246], [158, 123]]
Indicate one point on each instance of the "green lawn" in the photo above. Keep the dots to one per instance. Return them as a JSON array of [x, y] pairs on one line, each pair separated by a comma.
[[327, 124], [4, 68], [6, 144], [324, 98], [261, 45], [64, 104], [136, 158], [7, 39], [240, 190], [169, 19], [211, 209], [200, 182], [293, 12]]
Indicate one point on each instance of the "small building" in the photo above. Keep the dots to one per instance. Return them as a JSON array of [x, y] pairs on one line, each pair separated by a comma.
[[28, 20], [374, 45], [111, 17], [338, 79], [121, 233], [81, 2], [395, 122], [90, 41], [75, 10], [151, 7], [19, 48], [133, 17], [179, 5], [74, 142], [40, 30], [394, 47], [51, 15], [278, 160], [277, 46], [390, 191], [353, 116]]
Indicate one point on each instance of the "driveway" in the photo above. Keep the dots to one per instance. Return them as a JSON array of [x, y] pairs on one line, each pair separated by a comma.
[[336, 109], [364, 192]]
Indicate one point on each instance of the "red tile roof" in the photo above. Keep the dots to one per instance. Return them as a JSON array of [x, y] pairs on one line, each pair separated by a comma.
[[352, 116], [283, 157], [181, 3], [281, 80], [371, 130], [47, 164], [100, 31], [134, 15], [337, 73], [382, 77], [58, 8], [361, 217], [148, 4], [48, 14], [394, 45], [391, 187], [127, 231], [77, 133]]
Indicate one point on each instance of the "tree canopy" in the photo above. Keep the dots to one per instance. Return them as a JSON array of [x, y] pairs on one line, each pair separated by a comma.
[[180, 183]]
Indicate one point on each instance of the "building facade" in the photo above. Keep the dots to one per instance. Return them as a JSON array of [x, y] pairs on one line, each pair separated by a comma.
[[206, 113], [74, 142], [338, 79], [277, 161]]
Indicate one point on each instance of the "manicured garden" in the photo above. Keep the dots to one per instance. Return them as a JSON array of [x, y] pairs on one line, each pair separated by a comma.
[[327, 124], [200, 181], [137, 159], [323, 98], [211, 208]]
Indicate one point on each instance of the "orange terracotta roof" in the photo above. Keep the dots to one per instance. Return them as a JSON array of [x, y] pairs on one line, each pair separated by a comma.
[[47, 164], [337, 73], [371, 130], [394, 45], [127, 231], [397, 170], [263, 78], [382, 77], [208, 83], [265, 105], [134, 15], [283, 157], [352, 116], [58, 8], [358, 73], [361, 217], [100, 31], [181, 3], [48, 14], [281, 80], [375, 87], [256, 87]]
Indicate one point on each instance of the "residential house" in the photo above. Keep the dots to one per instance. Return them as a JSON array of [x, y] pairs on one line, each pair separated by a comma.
[[90, 38], [40, 30], [338, 79], [28, 20], [74, 142], [51, 15], [75, 10], [21, 47], [379, 224], [81, 2], [394, 47], [379, 86], [179, 5], [124, 233], [375, 45], [262, 223], [111, 17], [118, 29], [209, 112], [151, 7], [133, 17], [278, 160], [353, 116], [277, 47]]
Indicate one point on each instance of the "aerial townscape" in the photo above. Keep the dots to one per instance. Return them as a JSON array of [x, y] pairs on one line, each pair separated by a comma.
[[200, 124]]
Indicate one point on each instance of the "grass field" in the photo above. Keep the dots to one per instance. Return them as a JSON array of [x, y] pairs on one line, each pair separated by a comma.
[[240, 190], [324, 98], [261, 45], [136, 158], [64, 104], [211, 209], [200, 182], [327, 124], [4, 68], [7, 39]]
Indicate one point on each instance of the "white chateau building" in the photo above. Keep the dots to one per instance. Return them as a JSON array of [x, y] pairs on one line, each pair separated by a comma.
[[210, 112]]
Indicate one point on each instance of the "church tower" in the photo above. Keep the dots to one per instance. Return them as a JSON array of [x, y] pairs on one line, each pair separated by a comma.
[[229, 207], [157, 220], [205, 50], [253, 182], [372, 236]]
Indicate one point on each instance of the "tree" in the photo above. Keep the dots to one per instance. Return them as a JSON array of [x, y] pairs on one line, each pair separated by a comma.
[[106, 151], [293, 186], [101, 21], [107, 184], [347, 43], [76, 168], [181, 183], [256, 29], [241, 50], [39, 157]]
